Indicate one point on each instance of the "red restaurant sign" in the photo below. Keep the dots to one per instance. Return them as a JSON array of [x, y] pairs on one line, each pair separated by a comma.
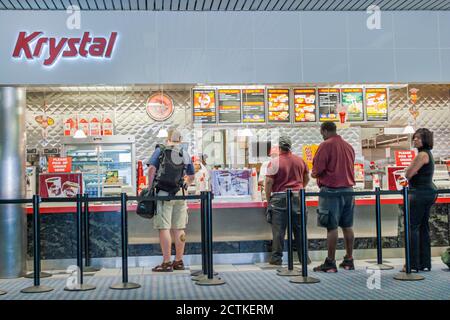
[[403, 158], [32, 45], [57, 165]]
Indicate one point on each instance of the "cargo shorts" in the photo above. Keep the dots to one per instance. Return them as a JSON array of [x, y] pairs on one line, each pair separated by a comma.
[[334, 211], [170, 214]]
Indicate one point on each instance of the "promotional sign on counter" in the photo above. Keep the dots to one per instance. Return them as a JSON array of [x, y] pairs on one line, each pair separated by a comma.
[[231, 182], [278, 105], [253, 103], [396, 178], [204, 106], [60, 185], [229, 105], [359, 172], [309, 151], [328, 103], [59, 165], [352, 100], [305, 105], [403, 158], [376, 104]]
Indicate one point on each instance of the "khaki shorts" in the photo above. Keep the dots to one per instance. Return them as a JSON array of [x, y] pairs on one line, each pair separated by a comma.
[[170, 214]]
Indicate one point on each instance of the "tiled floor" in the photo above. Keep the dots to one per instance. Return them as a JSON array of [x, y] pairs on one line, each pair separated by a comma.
[[255, 281]]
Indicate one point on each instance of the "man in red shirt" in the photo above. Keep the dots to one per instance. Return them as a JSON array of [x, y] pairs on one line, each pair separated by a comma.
[[287, 171], [333, 167]]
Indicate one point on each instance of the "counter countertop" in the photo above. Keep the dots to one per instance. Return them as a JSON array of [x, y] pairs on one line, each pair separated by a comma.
[[49, 208]]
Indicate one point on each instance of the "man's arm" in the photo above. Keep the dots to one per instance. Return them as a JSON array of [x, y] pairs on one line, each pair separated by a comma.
[[151, 175], [268, 187], [305, 179], [319, 163]]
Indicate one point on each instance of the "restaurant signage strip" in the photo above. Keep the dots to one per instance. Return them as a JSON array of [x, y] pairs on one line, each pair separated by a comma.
[[305, 105], [253, 103], [278, 105], [376, 104], [352, 100], [36, 45], [229, 105], [204, 106], [328, 103]]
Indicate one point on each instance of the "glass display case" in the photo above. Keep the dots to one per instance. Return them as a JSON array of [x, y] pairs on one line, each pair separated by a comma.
[[107, 164]]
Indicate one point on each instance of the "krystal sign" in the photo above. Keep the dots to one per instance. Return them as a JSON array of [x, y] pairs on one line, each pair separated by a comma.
[[32, 46]]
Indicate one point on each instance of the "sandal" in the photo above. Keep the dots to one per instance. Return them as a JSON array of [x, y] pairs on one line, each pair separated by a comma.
[[178, 265], [163, 267]]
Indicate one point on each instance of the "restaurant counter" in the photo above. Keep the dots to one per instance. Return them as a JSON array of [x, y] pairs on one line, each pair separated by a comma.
[[238, 227]]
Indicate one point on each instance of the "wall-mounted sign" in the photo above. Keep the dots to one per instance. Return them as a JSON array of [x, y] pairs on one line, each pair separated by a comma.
[[51, 151], [229, 105], [403, 158], [36, 45], [204, 106], [305, 105], [328, 104], [32, 151], [352, 101], [309, 151], [253, 106], [159, 106], [60, 185], [376, 104], [58, 165], [278, 105]]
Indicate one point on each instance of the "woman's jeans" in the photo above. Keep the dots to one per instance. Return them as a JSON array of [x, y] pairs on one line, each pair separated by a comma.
[[420, 206]]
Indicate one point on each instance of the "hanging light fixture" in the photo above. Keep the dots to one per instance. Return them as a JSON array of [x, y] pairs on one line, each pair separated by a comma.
[[162, 133], [245, 133], [79, 134]]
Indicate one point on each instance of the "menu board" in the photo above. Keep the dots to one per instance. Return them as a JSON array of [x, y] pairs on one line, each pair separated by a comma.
[[305, 105], [253, 105], [376, 104], [204, 106], [229, 106], [352, 99], [328, 103], [278, 104]]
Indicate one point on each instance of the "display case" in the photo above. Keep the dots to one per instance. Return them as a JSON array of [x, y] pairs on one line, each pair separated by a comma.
[[107, 163]]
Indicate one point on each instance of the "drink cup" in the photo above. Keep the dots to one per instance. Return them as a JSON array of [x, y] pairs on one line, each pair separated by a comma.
[[400, 179], [53, 186]]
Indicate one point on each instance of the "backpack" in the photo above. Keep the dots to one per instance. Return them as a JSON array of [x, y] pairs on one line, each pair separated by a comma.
[[170, 174], [445, 256], [146, 208]]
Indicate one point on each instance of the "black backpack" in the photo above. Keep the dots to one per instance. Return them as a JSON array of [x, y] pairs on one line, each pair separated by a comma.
[[146, 208], [170, 174]]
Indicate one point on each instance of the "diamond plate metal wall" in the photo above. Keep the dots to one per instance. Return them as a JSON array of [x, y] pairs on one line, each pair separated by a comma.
[[128, 106]]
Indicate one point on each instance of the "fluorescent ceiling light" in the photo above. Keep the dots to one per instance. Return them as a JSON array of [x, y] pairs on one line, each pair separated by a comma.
[[408, 130]]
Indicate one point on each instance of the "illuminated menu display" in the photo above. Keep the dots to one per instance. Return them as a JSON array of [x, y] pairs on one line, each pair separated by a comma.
[[278, 105], [328, 103], [230, 106], [352, 100], [376, 104], [253, 106], [204, 106], [305, 105]]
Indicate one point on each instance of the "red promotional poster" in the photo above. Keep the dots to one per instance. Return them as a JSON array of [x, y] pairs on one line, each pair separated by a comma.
[[396, 178], [403, 158], [60, 185], [107, 125], [83, 124], [59, 165], [70, 126], [95, 126]]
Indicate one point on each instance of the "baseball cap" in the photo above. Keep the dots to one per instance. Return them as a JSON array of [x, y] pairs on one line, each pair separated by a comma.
[[285, 142]]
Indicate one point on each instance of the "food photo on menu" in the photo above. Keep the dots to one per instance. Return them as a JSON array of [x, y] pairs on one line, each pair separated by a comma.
[[278, 101]]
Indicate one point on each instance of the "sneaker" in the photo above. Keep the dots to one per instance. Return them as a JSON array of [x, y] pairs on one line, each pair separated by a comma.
[[328, 266], [276, 262], [347, 264]]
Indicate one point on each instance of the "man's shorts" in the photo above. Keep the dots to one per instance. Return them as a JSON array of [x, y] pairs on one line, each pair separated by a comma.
[[335, 211], [170, 214]]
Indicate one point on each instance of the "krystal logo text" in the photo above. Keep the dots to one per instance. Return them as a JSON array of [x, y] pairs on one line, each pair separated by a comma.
[[31, 46]]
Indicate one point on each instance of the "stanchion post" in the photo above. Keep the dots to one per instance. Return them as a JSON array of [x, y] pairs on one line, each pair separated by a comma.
[[290, 269], [80, 286], [210, 280], [203, 271], [407, 276], [37, 287], [87, 257], [304, 278], [379, 265], [124, 285]]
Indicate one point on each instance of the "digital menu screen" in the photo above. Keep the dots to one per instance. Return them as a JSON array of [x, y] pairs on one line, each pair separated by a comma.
[[328, 103], [253, 106], [352, 100], [376, 104], [229, 105], [204, 106], [278, 105], [305, 105]]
